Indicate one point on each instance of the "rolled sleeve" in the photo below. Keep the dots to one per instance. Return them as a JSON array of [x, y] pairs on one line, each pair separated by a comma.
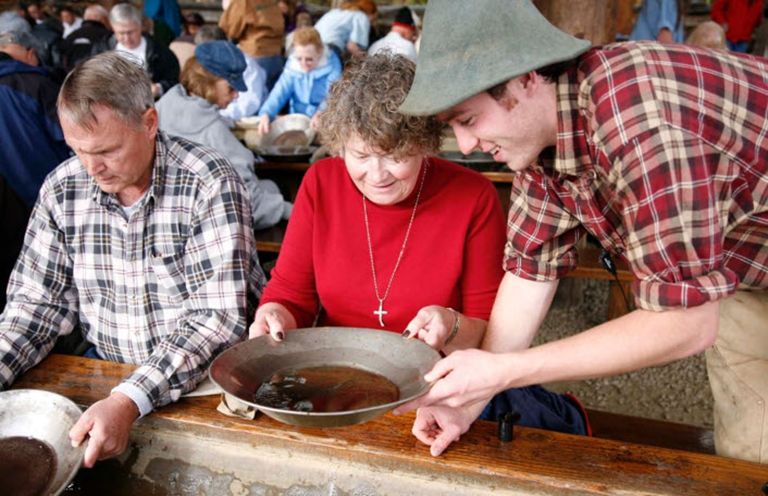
[[660, 295], [541, 233]]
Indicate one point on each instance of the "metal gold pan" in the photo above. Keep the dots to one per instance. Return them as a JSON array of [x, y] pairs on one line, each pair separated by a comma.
[[47, 417], [241, 369]]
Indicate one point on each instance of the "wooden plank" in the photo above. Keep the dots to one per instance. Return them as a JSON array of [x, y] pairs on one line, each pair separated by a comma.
[[301, 167], [282, 166], [540, 462], [499, 177], [271, 239], [590, 266], [607, 425], [620, 300]]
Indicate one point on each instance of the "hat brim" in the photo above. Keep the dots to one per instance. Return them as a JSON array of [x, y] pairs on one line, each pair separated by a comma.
[[238, 83], [468, 47]]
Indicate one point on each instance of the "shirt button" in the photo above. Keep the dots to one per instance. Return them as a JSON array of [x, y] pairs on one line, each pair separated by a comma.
[[125, 225]]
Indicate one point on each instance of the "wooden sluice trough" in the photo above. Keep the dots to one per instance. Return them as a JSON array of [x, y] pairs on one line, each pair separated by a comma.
[[190, 448]]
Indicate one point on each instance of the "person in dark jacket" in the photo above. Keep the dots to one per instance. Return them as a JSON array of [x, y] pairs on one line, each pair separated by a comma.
[[47, 30], [31, 141], [159, 60], [79, 44]]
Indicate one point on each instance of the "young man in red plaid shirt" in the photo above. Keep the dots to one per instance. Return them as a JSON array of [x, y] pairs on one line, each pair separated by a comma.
[[658, 151]]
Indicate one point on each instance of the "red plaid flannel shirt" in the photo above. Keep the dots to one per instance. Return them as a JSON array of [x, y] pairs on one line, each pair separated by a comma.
[[662, 154]]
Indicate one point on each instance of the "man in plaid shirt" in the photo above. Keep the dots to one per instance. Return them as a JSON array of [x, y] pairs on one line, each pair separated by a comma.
[[143, 241], [661, 153]]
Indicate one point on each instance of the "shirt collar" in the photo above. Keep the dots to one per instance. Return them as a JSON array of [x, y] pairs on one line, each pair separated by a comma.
[[155, 182]]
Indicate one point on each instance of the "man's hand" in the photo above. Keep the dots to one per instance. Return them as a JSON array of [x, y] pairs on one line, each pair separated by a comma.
[[108, 422], [463, 378], [439, 426]]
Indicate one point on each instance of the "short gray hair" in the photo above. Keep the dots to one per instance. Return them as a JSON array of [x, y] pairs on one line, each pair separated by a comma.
[[21, 38], [125, 13], [209, 32], [95, 13], [12, 21], [108, 79]]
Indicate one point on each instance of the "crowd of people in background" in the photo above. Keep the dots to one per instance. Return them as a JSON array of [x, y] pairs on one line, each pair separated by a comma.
[[289, 61], [260, 59]]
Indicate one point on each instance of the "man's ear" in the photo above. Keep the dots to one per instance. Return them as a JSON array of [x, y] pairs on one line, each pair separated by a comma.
[[150, 121], [530, 81]]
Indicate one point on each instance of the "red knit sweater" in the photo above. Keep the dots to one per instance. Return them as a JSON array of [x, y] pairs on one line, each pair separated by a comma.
[[452, 258]]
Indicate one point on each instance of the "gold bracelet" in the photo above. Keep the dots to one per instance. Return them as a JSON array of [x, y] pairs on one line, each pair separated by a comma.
[[455, 329]]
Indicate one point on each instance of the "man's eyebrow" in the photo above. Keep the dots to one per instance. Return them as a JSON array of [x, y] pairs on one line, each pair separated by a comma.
[[448, 115], [100, 150]]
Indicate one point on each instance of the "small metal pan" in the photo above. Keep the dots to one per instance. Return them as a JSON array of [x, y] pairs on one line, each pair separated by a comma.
[[286, 153], [46, 417], [240, 370]]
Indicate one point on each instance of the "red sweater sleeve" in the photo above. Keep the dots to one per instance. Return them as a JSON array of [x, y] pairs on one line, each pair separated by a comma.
[[484, 253], [292, 282]]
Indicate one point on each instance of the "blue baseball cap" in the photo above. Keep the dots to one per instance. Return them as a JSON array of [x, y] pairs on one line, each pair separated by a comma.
[[222, 58]]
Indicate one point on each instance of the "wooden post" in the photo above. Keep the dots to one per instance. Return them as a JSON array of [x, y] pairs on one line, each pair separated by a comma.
[[593, 20]]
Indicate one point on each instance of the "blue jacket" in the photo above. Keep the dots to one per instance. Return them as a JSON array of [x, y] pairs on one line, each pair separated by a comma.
[[653, 17], [305, 91], [31, 141]]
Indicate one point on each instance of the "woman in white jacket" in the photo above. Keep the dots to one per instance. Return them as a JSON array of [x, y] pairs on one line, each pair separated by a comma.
[[209, 81]]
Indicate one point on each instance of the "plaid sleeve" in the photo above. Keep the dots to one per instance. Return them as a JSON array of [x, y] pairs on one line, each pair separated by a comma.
[[540, 232], [216, 269], [42, 303]]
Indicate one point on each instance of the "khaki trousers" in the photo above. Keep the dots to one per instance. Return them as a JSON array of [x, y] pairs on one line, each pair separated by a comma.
[[737, 366]]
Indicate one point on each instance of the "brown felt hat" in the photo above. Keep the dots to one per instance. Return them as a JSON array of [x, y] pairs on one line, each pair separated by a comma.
[[470, 46]]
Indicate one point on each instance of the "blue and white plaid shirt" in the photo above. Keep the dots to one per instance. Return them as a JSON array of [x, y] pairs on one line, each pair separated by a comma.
[[166, 289]]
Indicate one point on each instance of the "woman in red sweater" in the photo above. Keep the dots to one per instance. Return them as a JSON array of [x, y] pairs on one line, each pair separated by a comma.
[[387, 236]]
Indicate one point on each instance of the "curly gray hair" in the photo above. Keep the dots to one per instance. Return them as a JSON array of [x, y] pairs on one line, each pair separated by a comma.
[[364, 102]]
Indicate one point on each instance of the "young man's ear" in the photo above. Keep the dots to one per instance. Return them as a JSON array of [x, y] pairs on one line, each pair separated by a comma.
[[530, 80]]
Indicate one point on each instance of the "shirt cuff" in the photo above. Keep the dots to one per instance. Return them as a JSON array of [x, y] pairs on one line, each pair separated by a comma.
[[137, 395]]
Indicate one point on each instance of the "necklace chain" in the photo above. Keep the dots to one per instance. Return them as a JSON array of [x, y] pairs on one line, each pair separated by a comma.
[[381, 299]]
